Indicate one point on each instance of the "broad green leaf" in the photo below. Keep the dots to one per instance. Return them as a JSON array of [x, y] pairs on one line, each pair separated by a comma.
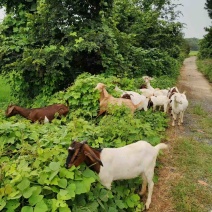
[[80, 187], [120, 204], [25, 183], [53, 174], [28, 192], [27, 209], [35, 198], [40, 207], [71, 190], [66, 173], [12, 204], [54, 166], [15, 195], [89, 173], [65, 209], [62, 183], [8, 189], [2, 204]]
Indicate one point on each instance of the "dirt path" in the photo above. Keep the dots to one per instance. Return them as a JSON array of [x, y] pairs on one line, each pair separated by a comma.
[[199, 92]]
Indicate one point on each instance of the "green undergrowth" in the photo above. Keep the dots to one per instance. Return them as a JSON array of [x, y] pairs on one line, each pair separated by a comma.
[[32, 156], [205, 66]]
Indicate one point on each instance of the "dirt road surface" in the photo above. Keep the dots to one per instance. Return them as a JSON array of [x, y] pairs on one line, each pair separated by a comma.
[[199, 92]]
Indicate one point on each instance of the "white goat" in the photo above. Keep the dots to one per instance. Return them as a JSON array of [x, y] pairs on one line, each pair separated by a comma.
[[150, 91], [130, 161], [160, 101], [179, 104], [136, 98]]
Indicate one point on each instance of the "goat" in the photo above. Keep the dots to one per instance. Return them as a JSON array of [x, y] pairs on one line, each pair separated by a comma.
[[160, 101], [172, 91], [107, 99], [150, 91], [127, 162], [179, 104], [135, 97], [42, 115]]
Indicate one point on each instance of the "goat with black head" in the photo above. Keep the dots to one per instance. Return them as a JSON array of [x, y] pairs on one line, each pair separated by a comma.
[[127, 162]]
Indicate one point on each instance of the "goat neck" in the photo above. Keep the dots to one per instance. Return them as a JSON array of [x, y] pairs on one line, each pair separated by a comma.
[[104, 94], [19, 110], [95, 166]]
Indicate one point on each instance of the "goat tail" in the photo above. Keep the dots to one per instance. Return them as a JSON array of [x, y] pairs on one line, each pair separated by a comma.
[[161, 146]]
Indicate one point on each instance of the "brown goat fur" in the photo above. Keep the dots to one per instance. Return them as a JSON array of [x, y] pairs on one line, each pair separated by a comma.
[[106, 99], [38, 114]]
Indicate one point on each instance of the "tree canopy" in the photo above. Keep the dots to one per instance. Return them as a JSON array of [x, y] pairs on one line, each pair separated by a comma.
[[45, 45], [206, 42]]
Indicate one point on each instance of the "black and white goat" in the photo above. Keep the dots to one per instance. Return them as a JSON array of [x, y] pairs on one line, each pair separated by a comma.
[[127, 162]]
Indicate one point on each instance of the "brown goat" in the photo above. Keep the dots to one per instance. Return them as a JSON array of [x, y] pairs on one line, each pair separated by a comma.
[[45, 114], [106, 99]]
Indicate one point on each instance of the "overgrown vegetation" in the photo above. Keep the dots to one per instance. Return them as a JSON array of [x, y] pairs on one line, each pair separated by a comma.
[[32, 156], [205, 66], [52, 51], [45, 45]]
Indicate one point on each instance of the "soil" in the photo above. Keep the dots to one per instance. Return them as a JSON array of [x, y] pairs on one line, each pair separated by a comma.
[[199, 93]]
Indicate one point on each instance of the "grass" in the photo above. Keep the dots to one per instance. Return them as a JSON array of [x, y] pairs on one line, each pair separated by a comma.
[[198, 110], [205, 66], [192, 191], [193, 53]]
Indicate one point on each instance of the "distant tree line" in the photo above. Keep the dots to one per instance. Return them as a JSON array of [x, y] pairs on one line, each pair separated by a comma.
[[193, 43]]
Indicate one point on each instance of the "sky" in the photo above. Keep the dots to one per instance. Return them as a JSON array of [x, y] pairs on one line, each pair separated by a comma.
[[193, 15]]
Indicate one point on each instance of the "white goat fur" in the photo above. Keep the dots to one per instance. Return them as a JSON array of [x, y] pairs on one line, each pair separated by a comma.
[[160, 101], [137, 159], [179, 104], [150, 91], [136, 98]]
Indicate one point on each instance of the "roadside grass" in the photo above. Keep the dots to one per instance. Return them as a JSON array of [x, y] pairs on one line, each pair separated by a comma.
[[193, 160], [198, 110], [193, 53], [205, 66]]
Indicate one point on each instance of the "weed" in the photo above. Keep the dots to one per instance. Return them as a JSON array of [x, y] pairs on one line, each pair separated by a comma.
[[198, 110]]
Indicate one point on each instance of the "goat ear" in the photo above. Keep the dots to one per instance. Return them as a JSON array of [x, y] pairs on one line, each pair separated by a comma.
[[10, 109], [89, 153]]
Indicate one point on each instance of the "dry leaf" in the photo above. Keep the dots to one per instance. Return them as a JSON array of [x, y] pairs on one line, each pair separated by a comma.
[[202, 182], [200, 131]]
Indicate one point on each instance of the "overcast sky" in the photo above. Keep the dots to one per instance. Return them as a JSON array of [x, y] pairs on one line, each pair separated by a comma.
[[193, 15]]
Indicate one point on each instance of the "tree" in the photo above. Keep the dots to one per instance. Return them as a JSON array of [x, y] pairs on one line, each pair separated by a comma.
[[208, 7], [46, 46]]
